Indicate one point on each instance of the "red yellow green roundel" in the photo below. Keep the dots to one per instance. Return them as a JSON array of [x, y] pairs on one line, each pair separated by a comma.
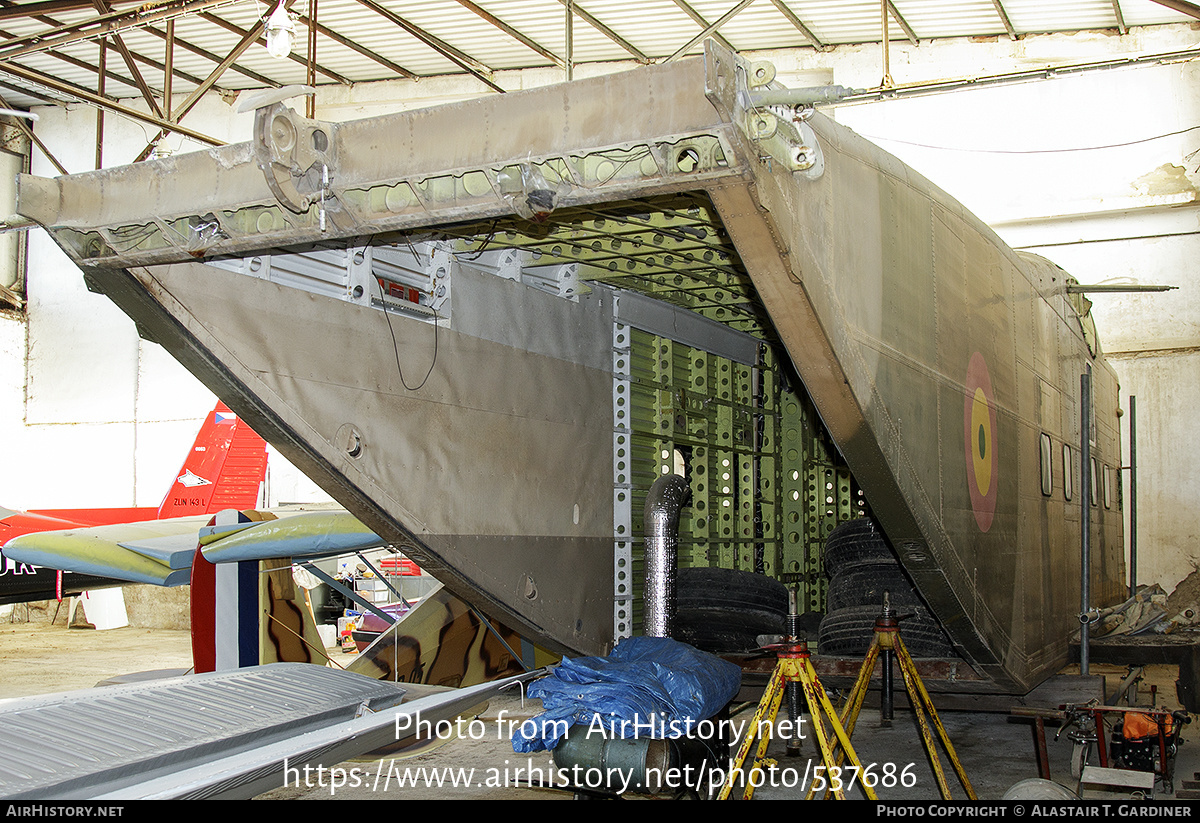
[[983, 464]]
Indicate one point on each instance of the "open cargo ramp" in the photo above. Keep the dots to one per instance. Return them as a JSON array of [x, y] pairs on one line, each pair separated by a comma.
[[486, 327]]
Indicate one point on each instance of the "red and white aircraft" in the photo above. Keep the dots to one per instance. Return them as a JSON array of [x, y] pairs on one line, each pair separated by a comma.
[[224, 469]]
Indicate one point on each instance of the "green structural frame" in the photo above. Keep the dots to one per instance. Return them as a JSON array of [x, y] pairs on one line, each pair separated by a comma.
[[767, 483]]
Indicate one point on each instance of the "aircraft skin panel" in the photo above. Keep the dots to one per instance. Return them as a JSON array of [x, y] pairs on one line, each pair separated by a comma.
[[505, 454], [909, 322], [66, 518], [442, 642], [306, 534], [997, 570], [870, 289], [496, 418]]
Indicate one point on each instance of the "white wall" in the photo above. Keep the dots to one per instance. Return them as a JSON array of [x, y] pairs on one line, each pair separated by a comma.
[[91, 415], [99, 418]]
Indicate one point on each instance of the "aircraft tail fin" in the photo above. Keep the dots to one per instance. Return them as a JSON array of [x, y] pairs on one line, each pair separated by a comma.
[[223, 470]]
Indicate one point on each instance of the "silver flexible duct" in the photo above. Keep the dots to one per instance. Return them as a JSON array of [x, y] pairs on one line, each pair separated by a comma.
[[660, 523]]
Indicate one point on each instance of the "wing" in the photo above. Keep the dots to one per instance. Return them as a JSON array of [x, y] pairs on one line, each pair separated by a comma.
[[154, 551], [306, 534], [160, 552]]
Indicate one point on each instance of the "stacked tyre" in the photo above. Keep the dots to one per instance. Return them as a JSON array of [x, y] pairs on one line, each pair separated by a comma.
[[725, 610], [862, 566]]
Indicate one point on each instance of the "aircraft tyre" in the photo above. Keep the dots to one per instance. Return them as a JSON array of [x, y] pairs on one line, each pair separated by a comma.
[[729, 588], [725, 610], [848, 632], [864, 585], [854, 542], [726, 630]]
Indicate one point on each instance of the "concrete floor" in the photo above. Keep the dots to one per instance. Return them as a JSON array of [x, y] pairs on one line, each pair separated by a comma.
[[995, 753], [39, 658], [995, 749]]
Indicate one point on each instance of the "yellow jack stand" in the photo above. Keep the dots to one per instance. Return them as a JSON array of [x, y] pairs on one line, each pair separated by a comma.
[[794, 666], [887, 639]]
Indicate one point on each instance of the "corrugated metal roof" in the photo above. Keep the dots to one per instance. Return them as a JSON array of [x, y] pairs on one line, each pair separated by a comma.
[[368, 40]]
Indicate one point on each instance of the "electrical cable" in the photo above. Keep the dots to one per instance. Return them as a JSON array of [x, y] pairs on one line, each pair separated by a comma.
[[1033, 151], [396, 346]]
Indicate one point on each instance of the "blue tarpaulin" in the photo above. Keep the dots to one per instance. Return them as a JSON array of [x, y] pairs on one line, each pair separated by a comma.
[[647, 687]]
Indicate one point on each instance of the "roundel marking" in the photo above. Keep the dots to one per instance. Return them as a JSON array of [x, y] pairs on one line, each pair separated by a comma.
[[981, 451], [979, 441]]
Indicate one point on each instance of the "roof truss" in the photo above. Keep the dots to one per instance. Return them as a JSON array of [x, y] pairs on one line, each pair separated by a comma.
[[44, 55]]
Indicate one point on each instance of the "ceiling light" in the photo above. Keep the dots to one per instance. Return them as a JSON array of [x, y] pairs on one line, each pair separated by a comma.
[[281, 33]]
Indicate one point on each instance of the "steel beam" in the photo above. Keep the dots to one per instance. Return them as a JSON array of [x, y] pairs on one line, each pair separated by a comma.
[[71, 89], [248, 39], [1002, 13], [591, 20], [702, 23], [908, 30], [341, 40], [102, 26], [20, 123], [791, 17], [14, 11], [1022, 76], [1181, 6], [50, 21], [528, 42], [100, 87], [46, 99], [168, 67], [295, 58], [709, 29], [310, 69], [187, 45], [462, 60], [86, 66], [103, 7]]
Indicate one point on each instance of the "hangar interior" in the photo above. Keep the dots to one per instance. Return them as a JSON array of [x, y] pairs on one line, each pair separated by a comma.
[[1069, 128]]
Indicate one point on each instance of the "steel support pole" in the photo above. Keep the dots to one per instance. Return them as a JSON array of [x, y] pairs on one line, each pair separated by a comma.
[[310, 104], [887, 697], [1132, 495], [102, 59], [886, 82], [1085, 451], [168, 69], [795, 698], [569, 36]]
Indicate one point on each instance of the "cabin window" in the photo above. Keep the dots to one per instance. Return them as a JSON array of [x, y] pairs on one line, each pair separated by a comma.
[[1068, 473], [1108, 487], [1095, 492], [1047, 464]]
